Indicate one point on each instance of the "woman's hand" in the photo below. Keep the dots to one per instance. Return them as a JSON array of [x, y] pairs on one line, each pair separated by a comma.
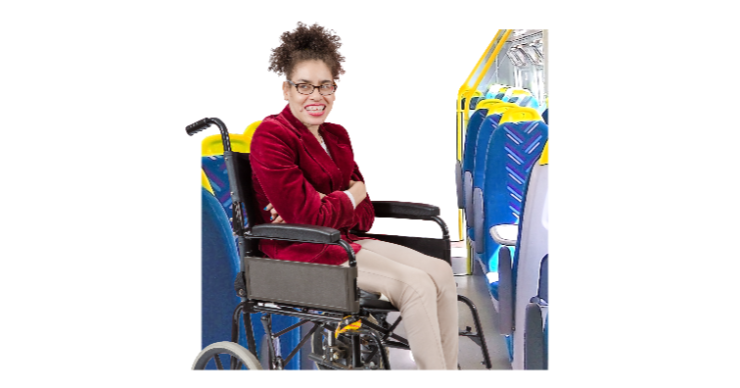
[[276, 219], [357, 189]]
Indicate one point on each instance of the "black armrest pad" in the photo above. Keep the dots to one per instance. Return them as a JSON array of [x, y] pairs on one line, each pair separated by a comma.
[[297, 232], [394, 209]]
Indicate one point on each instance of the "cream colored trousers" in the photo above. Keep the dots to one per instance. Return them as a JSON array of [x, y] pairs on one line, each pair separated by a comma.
[[424, 291]]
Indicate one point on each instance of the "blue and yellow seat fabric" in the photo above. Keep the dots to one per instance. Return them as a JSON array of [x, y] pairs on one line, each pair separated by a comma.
[[522, 97], [481, 124], [463, 175], [220, 260], [490, 123], [471, 141], [523, 290], [214, 166], [493, 112], [544, 108], [477, 136], [219, 266], [473, 87], [497, 92], [513, 149], [519, 96]]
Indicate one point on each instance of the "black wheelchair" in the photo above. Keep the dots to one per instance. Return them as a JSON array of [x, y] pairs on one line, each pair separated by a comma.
[[350, 328]]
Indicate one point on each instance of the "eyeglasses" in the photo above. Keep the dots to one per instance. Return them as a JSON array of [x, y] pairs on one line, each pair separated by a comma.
[[324, 90]]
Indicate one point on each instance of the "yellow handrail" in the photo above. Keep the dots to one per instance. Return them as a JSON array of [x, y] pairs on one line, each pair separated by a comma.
[[467, 92], [465, 88], [490, 61]]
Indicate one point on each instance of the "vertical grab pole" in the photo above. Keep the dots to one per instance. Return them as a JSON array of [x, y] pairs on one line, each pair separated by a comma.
[[461, 120], [465, 93]]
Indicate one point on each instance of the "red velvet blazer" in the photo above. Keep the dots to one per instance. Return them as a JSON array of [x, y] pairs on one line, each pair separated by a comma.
[[290, 168]]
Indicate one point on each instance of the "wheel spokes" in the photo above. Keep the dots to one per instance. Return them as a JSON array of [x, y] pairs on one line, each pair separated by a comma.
[[217, 358]]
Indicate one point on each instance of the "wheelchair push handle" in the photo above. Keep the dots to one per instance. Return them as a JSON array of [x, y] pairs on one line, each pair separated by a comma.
[[197, 126], [202, 124]]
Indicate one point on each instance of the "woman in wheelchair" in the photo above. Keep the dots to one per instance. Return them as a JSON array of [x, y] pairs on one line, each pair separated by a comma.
[[304, 173]]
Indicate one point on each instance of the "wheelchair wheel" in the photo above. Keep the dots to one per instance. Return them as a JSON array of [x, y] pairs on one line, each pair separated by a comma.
[[238, 357]]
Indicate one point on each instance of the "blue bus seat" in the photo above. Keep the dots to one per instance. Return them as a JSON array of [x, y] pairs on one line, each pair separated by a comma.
[[460, 164], [489, 124], [535, 327], [497, 91], [529, 267], [471, 136], [513, 149], [219, 266], [523, 98], [469, 152]]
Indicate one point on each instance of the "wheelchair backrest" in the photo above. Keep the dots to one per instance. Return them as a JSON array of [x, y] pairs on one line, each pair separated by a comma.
[[214, 168], [244, 177]]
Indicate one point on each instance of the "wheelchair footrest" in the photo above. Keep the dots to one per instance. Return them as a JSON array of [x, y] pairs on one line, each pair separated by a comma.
[[475, 337], [478, 337]]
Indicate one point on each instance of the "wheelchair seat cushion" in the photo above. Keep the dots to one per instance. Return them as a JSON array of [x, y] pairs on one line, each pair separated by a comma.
[[375, 301]]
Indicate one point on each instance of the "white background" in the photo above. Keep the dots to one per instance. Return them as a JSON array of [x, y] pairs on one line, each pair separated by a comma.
[[100, 273]]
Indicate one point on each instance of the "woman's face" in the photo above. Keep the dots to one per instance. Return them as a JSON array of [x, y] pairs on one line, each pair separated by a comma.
[[311, 109]]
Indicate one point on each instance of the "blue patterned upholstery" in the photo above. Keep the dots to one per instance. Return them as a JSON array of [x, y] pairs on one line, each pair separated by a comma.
[[485, 131], [219, 266], [471, 139], [220, 280], [215, 170], [512, 151]]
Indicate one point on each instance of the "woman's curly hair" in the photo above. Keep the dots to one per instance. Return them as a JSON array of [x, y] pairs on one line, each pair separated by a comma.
[[307, 43]]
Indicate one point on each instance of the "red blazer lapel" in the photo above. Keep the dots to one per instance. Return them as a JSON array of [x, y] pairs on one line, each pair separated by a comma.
[[314, 149], [341, 154]]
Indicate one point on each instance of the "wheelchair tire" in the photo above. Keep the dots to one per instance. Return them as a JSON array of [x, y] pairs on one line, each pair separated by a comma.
[[244, 356]]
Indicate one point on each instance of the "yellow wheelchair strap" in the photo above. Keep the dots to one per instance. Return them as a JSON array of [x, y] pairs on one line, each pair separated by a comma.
[[352, 326]]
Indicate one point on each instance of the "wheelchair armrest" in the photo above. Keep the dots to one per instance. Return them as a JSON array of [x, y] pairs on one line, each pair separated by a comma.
[[395, 209], [439, 248], [297, 232]]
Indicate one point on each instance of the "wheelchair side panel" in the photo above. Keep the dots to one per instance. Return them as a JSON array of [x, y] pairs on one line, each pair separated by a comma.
[[319, 286]]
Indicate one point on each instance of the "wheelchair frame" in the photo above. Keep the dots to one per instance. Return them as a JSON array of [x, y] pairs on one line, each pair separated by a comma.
[[326, 309]]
